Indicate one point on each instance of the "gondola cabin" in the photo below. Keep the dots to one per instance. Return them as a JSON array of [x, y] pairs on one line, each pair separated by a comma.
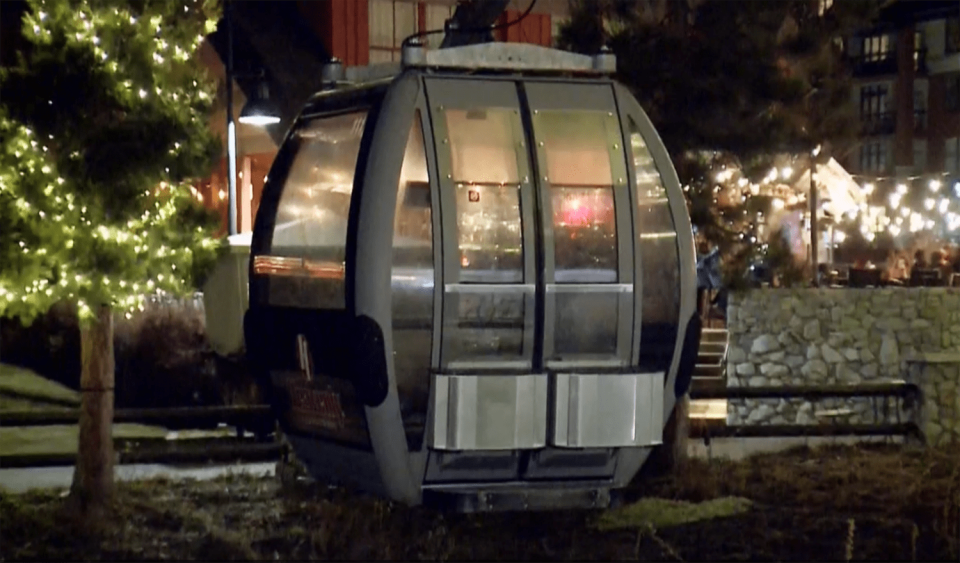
[[472, 280]]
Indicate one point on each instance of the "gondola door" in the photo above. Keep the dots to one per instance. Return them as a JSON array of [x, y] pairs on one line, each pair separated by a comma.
[[600, 397], [488, 395]]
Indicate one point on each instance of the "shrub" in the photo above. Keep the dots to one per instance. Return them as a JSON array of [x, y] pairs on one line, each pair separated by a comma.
[[49, 346], [162, 355], [163, 360]]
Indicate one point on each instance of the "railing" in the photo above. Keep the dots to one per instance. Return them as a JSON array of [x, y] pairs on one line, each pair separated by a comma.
[[257, 418], [875, 63], [908, 393]]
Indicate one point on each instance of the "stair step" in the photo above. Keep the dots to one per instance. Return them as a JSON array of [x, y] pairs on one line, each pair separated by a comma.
[[708, 383], [713, 347], [708, 370], [714, 335], [710, 357]]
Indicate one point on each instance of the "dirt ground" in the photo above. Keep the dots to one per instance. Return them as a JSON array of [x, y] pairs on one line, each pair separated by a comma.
[[877, 502]]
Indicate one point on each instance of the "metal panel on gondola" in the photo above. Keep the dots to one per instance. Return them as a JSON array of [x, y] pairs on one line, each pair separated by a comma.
[[473, 288]]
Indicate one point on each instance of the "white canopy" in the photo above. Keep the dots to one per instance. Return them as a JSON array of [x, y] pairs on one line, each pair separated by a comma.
[[835, 187]]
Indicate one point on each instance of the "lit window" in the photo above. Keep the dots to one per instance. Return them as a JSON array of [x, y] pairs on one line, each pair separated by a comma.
[[391, 21], [436, 16], [876, 48]]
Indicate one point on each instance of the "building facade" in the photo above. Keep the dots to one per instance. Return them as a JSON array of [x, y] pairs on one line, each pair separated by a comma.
[[907, 91], [287, 42], [358, 32]]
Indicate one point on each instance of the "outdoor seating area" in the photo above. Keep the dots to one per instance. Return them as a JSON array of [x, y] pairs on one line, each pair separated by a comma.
[[891, 275]]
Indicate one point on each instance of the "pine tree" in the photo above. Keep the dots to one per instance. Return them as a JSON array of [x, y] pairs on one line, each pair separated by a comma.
[[730, 85], [104, 122]]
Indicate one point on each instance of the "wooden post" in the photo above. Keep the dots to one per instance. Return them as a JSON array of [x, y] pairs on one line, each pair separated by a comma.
[[93, 476]]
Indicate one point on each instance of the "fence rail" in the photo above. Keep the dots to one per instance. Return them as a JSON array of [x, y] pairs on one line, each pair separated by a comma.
[[223, 449], [901, 390], [239, 415], [208, 451], [260, 418]]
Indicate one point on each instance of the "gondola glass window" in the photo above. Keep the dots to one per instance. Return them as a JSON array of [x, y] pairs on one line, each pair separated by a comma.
[[486, 178], [412, 286], [661, 260], [311, 224], [581, 195]]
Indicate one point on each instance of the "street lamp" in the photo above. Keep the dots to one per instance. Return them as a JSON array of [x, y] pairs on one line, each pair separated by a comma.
[[255, 112], [814, 207]]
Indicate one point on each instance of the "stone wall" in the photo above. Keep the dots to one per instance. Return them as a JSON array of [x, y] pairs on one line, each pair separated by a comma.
[[845, 336]]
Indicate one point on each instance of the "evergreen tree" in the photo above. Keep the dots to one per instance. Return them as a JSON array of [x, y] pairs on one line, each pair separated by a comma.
[[104, 122], [730, 85]]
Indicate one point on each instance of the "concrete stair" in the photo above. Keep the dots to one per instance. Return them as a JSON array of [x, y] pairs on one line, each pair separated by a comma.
[[710, 372]]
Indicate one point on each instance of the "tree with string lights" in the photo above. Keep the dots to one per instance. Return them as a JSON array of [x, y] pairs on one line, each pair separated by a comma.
[[104, 122], [730, 85]]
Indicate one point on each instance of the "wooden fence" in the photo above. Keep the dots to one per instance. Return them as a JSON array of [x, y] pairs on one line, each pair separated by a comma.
[[901, 391]]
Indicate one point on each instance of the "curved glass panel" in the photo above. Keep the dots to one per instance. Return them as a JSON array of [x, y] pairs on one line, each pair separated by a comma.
[[490, 321], [577, 148], [411, 282], [581, 192], [310, 233], [661, 260]]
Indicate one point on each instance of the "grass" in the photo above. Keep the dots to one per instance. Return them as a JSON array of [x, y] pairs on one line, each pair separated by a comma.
[[22, 389], [22, 383], [63, 439], [660, 513], [877, 503]]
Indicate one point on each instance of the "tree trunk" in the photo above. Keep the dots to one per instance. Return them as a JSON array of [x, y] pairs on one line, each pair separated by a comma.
[[670, 456], [93, 477]]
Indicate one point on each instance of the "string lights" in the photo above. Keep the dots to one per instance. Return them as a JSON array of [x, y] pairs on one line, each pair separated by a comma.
[[73, 242], [897, 206]]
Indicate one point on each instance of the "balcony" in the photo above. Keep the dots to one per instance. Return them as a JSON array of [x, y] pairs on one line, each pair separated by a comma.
[[873, 64], [878, 124]]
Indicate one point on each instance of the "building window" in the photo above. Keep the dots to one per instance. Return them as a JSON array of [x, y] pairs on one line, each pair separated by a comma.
[[873, 101], [873, 157], [875, 114], [919, 156], [951, 156], [952, 96], [391, 21], [919, 108], [436, 17], [876, 48], [952, 44], [919, 50]]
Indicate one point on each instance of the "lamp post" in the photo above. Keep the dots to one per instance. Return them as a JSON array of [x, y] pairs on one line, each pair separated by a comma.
[[814, 233], [254, 112], [231, 128]]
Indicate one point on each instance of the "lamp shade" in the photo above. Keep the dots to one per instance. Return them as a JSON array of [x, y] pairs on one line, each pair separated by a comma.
[[258, 110]]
